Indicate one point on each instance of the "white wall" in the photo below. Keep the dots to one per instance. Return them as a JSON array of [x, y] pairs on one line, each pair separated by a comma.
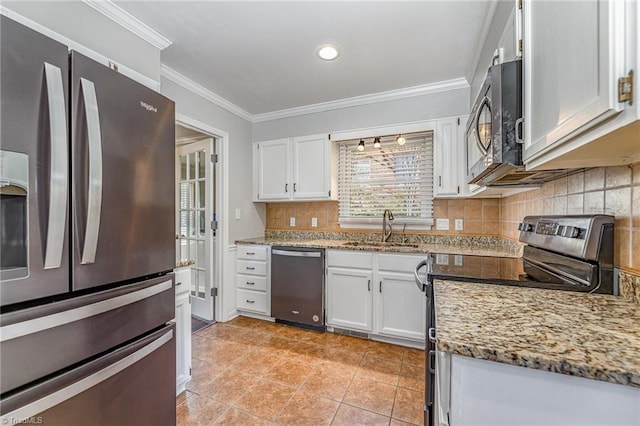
[[84, 25], [239, 163], [417, 108], [501, 17]]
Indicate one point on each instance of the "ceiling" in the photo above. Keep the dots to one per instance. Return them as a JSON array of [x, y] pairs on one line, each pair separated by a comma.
[[261, 55]]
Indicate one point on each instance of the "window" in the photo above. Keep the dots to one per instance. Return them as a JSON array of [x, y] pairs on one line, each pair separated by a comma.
[[399, 178]]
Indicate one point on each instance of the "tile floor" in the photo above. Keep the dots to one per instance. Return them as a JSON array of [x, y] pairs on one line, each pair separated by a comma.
[[252, 372]]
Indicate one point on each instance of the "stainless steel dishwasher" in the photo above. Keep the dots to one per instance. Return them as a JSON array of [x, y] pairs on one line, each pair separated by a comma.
[[297, 286]]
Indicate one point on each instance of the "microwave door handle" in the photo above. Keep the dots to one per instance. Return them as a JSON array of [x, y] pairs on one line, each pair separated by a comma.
[[485, 100], [94, 196], [59, 167]]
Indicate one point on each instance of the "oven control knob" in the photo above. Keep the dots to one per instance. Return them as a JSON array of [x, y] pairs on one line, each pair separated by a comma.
[[570, 232], [525, 227]]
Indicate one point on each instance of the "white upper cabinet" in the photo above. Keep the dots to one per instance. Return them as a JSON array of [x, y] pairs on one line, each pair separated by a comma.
[[293, 169], [273, 170], [311, 167], [449, 158], [575, 52]]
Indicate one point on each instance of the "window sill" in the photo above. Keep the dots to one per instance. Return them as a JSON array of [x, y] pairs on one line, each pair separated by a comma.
[[376, 223]]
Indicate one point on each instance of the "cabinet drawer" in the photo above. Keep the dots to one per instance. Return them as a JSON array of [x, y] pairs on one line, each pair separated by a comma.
[[399, 262], [348, 259], [251, 267], [252, 252], [251, 282], [252, 301]]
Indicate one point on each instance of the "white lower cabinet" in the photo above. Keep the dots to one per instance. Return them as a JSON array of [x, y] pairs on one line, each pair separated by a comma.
[[253, 287], [377, 294], [183, 328], [476, 391], [349, 298], [400, 306]]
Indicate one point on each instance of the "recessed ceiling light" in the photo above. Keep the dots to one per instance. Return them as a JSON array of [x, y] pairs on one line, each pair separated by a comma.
[[327, 52]]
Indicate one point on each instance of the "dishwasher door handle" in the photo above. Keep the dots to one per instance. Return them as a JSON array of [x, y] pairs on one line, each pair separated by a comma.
[[296, 253]]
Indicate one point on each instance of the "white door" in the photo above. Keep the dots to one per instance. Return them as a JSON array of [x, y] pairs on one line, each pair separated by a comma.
[[273, 170], [194, 221], [311, 156], [349, 301], [400, 306]]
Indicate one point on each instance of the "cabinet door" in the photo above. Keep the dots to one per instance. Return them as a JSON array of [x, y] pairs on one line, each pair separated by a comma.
[[183, 340], [273, 170], [573, 56], [400, 306], [311, 167], [349, 298], [448, 164]]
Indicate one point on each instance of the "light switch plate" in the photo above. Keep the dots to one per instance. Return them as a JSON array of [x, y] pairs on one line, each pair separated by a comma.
[[442, 224], [314, 222], [459, 224], [237, 214], [292, 221]]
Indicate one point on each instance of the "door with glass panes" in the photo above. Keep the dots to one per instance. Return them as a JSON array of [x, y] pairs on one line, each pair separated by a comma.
[[195, 221]]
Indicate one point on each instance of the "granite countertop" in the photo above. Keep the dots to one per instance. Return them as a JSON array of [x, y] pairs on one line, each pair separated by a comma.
[[473, 247], [585, 335]]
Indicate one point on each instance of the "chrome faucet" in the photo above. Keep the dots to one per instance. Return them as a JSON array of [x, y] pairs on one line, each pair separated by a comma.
[[387, 229]]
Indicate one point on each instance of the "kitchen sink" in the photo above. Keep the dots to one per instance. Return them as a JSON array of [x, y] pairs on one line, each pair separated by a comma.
[[379, 244]]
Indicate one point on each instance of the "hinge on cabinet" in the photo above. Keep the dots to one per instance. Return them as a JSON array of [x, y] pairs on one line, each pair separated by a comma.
[[520, 45], [190, 371], [214, 158], [625, 88], [329, 193], [214, 291], [329, 136], [519, 4], [458, 189], [458, 121]]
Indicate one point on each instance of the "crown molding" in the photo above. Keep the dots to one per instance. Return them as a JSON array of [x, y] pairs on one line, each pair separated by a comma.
[[192, 86], [481, 37], [408, 92], [130, 22]]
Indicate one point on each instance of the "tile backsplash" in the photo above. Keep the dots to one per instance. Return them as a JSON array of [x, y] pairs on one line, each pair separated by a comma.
[[607, 190], [480, 216]]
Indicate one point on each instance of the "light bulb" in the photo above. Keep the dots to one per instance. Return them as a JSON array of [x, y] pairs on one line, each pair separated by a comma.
[[361, 145], [376, 143], [400, 140]]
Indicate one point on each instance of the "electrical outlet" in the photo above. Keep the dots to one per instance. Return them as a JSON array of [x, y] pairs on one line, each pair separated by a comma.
[[442, 224], [292, 221], [459, 224], [442, 259], [314, 222]]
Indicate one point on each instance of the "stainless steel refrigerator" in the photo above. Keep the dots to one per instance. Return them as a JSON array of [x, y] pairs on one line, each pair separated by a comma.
[[86, 233]]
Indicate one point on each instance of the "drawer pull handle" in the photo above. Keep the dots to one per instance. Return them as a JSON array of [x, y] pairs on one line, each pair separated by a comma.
[[250, 268], [251, 301], [250, 253], [295, 312], [250, 283]]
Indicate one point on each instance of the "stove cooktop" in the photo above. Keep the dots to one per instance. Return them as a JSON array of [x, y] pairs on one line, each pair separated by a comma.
[[497, 270]]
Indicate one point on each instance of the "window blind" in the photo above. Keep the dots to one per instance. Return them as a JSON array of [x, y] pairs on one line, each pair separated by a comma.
[[399, 178]]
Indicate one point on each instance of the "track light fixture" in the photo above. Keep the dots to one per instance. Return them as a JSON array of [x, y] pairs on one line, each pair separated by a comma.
[[400, 140], [361, 145], [376, 143]]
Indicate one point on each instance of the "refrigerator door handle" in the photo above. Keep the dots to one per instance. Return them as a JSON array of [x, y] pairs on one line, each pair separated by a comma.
[[94, 196], [40, 405], [59, 167]]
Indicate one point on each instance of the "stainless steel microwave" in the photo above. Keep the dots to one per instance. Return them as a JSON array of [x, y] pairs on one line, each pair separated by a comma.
[[493, 150]]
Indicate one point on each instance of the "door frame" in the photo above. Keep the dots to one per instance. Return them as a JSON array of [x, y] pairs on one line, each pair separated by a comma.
[[221, 146]]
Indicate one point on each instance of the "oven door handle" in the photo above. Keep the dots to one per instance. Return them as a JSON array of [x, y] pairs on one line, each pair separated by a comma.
[[421, 284], [485, 100]]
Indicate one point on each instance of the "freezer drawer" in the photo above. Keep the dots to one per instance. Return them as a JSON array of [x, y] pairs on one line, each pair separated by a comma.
[[131, 385], [42, 340]]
